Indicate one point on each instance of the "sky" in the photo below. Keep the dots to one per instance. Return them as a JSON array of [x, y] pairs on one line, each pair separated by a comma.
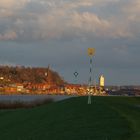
[[39, 33]]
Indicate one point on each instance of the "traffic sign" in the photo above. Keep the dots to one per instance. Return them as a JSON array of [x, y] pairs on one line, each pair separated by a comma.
[[91, 51]]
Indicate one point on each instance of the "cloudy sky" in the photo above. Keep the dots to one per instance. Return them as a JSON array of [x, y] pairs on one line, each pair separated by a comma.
[[58, 32]]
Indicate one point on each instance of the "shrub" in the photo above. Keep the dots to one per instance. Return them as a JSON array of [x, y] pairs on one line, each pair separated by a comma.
[[23, 104]]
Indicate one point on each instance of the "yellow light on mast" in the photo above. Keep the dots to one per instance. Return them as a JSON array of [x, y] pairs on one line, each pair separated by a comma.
[[91, 51]]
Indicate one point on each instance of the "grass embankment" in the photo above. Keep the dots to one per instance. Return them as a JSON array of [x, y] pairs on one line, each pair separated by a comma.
[[107, 118]]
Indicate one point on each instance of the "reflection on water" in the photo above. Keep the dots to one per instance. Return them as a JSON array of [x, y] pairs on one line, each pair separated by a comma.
[[28, 98]]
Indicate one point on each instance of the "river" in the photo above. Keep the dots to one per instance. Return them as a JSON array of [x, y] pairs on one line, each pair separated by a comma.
[[29, 98]]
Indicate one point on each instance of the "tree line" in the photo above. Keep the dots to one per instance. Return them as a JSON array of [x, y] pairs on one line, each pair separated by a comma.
[[21, 74]]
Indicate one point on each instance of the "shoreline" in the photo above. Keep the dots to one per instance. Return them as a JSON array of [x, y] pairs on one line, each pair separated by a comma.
[[30, 98]]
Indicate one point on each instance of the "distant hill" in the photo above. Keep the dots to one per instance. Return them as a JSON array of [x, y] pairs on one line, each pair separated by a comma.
[[29, 74]]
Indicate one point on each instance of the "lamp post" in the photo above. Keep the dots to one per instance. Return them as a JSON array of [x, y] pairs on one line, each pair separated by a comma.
[[91, 52]]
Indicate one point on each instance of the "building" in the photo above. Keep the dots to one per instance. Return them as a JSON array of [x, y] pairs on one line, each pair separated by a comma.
[[101, 81], [101, 85]]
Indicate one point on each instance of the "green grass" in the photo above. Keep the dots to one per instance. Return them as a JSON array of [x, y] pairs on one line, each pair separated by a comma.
[[107, 118]]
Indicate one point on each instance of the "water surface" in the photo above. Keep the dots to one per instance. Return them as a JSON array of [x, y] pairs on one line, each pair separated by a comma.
[[29, 98]]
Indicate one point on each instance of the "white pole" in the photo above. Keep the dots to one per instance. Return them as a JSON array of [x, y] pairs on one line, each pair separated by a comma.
[[91, 52], [90, 82]]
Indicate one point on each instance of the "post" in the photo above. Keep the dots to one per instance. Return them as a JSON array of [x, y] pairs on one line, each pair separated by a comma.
[[91, 52], [90, 82]]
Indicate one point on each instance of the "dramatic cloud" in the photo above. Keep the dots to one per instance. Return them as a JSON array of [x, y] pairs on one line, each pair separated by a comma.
[[60, 24], [12, 3], [57, 19], [133, 7], [9, 35]]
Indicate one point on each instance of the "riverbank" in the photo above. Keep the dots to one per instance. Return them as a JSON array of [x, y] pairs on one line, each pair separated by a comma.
[[28, 98], [28, 101]]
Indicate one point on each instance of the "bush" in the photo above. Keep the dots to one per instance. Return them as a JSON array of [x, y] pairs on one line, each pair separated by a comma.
[[23, 104]]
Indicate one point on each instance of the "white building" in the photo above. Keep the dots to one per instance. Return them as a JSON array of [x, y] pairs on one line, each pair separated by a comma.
[[102, 81]]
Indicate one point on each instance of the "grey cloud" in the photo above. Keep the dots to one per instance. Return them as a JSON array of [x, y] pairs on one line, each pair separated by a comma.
[[8, 35], [37, 22]]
